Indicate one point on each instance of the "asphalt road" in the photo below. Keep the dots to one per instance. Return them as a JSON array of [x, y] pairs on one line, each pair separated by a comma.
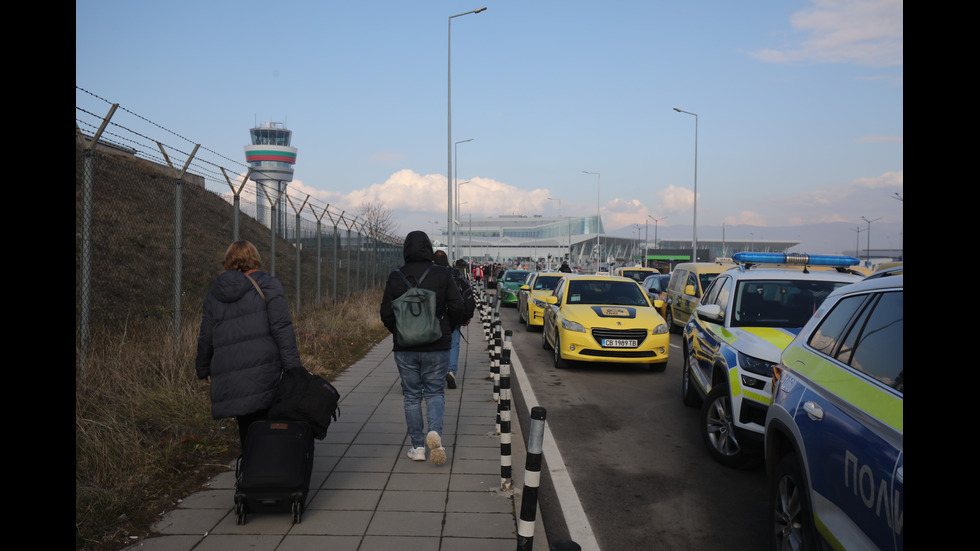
[[634, 454]]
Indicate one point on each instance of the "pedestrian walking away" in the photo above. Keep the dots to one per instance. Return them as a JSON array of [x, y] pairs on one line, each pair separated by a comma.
[[246, 338], [469, 305], [423, 367]]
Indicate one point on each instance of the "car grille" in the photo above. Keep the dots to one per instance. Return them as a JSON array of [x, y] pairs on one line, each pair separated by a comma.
[[639, 334]]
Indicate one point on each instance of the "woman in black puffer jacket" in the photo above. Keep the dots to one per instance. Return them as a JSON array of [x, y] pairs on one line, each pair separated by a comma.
[[246, 340]]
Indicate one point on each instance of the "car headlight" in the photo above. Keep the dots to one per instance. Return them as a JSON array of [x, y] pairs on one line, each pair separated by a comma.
[[755, 365], [540, 303], [570, 325], [660, 329]]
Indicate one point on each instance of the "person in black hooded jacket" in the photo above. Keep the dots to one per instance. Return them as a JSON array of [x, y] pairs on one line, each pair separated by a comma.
[[423, 368], [246, 339]]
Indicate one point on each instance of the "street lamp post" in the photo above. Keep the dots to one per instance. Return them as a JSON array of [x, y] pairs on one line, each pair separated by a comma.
[[656, 222], [456, 217], [456, 186], [559, 227], [867, 253], [598, 220], [695, 257], [449, 123]]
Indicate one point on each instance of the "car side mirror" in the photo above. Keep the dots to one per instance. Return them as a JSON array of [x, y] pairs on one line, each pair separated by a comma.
[[551, 299], [689, 290], [710, 312], [525, 288], [657, 303]]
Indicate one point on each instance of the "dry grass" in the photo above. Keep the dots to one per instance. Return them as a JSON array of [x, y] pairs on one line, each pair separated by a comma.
[[144, 436]]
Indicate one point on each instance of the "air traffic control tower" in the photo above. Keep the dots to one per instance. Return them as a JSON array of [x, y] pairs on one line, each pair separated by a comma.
[[272, 160]]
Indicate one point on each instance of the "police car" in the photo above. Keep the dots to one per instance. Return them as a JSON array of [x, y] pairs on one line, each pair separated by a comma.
[[834, 434], [732, 340]]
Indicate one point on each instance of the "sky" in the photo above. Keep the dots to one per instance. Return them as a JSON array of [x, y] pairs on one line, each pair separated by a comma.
[[798, 103]]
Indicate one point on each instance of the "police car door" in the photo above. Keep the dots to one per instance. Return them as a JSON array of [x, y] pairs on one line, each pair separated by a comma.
[[707, 338], [851, 419]]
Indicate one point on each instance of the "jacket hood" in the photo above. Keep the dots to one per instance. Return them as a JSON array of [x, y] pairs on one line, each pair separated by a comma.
[[231, 285], [418, 247]]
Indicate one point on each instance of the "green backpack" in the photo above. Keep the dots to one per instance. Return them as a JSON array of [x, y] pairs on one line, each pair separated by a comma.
[[416, 322]]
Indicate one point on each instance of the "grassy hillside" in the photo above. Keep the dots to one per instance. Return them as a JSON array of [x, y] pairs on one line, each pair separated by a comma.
[[144, 437]]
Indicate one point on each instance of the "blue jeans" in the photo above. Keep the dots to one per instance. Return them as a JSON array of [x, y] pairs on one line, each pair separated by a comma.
[[423, 374], [454, 352]]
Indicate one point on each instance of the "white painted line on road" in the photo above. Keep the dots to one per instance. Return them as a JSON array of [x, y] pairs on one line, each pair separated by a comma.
[[579, 529]]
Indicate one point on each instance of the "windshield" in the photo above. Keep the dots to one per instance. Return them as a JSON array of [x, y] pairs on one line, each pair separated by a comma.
[[619, 293], [638, 275], [779, 303], [546, 283], [515, 277]]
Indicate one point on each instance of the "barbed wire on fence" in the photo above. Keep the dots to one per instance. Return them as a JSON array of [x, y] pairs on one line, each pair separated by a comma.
[[212, 170]]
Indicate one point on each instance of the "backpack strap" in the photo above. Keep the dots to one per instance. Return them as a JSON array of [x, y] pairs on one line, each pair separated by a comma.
[[408, 283]]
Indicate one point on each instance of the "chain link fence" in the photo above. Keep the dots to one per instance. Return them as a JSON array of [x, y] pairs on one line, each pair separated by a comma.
[[150, 236]]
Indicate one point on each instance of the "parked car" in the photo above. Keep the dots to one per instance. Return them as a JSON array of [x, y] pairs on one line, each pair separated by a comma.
[[834, 433], [687, 284], [602, 318], [656, 287], [748, 315], [636, 273], [509, 283], [530, 299]]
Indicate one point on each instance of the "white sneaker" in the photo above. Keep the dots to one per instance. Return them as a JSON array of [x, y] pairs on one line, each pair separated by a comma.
[[437, 454], [417, 454]]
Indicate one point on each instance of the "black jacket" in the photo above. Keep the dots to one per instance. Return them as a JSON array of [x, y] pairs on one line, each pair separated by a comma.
[[449, 304], [244, 343]]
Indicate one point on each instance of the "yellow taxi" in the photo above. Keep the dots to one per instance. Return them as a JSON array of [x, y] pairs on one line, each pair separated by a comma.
[[606, 319], [636, 273], [530, 300]]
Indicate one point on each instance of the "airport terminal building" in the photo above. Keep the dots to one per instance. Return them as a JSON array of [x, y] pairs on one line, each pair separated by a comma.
[[546, 240]]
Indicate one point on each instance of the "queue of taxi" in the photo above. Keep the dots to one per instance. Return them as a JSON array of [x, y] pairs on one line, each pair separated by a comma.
[[795, 361]]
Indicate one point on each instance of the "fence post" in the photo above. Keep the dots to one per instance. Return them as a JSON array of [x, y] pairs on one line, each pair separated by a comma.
[[532, 480]]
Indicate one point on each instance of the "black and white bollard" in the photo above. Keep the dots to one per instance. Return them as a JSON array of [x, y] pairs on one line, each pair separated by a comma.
[[503, 415], [532, 480]]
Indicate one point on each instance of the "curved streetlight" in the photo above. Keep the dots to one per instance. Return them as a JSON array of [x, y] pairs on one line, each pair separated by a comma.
[[868, 252], [456, 187], [695, 247], [457, 218], [656, 222], [560, 247], [598, 220], [449, 123]]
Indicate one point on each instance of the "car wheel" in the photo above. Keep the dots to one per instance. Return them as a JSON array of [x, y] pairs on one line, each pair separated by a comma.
[[689, 394], [790, 517], [527, 322], [669, 319], [560, 363], [544, 339], [718, 429]]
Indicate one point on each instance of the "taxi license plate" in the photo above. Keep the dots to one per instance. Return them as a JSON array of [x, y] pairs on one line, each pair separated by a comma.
[[619, 343]]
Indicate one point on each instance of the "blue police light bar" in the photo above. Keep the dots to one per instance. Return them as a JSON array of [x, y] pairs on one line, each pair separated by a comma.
[[798, 259]]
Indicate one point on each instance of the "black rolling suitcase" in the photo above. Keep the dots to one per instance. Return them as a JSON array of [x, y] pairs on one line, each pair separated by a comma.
[[273, 473]]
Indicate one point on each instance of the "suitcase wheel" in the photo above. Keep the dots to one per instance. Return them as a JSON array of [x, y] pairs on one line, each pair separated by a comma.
[[297, 510], [240, 509]]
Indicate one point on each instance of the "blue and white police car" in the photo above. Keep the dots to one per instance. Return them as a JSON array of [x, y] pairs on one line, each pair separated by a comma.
[[834, 433], [747, 316]]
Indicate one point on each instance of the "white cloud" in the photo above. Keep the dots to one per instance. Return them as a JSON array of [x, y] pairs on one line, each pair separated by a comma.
[[862, 32]]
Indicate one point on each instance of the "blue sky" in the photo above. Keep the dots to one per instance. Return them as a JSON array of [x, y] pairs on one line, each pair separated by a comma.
[[799, 102]]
